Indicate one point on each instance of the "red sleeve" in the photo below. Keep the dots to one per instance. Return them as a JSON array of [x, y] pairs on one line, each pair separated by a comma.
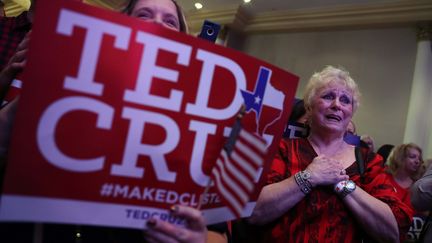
[[279, 169], [377, 184]]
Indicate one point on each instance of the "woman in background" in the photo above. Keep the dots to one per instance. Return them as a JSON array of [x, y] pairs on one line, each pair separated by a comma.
[[405, 166], [167, 13]]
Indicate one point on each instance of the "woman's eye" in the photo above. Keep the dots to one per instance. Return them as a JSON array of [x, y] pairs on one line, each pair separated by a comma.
[[345, 99], [328, 96], [145, 15], [171, 22]]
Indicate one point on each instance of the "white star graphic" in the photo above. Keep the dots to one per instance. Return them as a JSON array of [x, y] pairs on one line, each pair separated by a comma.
[[257, 99]]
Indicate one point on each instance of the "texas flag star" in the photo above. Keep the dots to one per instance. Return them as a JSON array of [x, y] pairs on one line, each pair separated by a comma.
[[257, 99], [252, 100]]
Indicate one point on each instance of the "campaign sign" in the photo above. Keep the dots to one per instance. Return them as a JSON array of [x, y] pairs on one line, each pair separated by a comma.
[[120, 119]]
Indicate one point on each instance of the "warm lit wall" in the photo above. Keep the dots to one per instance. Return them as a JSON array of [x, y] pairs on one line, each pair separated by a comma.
[[376, 41], [380, 60], [110, 4]]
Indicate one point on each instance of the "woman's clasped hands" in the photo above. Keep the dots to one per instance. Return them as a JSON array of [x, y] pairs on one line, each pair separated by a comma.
[[326, 171]]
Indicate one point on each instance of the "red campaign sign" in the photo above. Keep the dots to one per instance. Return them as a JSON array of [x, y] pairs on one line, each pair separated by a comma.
[[120, 119]]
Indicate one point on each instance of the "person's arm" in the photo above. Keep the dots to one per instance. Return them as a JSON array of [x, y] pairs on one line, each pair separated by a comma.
[[15, 66], [421, 192], [373, 215], [276, 199], [376, 206], [7, 115], [194, 232]]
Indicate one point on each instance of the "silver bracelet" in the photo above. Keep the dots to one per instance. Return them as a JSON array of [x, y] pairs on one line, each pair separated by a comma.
[[301, 179]]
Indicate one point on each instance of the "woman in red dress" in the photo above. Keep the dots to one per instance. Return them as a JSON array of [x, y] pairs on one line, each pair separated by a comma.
[[319, 190], [405, 166]]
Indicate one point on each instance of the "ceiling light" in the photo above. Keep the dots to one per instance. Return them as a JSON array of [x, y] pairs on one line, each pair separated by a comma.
[[198, 5], [246, 1]]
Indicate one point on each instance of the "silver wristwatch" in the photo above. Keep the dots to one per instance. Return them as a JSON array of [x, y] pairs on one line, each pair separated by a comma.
[[344, 188]]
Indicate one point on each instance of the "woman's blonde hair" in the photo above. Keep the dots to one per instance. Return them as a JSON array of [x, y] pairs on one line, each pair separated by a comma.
[[330, 75], [181, 16], [397, 158]]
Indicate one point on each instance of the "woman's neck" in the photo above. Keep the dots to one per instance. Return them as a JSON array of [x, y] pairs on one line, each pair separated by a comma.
[[328, 144], [403, 178]]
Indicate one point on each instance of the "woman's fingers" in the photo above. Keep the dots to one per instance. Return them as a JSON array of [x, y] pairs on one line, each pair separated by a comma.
[[24, 43], [18, 61], [193, 217], [194, 232], [19, 56], [327, 171], [162, 231]]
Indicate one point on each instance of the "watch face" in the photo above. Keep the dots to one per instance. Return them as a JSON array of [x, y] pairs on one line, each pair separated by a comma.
[[351, 186]]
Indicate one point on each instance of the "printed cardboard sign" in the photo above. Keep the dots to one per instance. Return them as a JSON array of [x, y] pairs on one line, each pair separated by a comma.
[[120, 119]]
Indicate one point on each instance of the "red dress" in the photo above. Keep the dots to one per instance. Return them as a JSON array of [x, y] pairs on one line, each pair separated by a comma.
[[418, 218], [322, 216], [402, 193]]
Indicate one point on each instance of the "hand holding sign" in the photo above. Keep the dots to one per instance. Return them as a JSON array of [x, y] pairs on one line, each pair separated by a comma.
[[194, 232]]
